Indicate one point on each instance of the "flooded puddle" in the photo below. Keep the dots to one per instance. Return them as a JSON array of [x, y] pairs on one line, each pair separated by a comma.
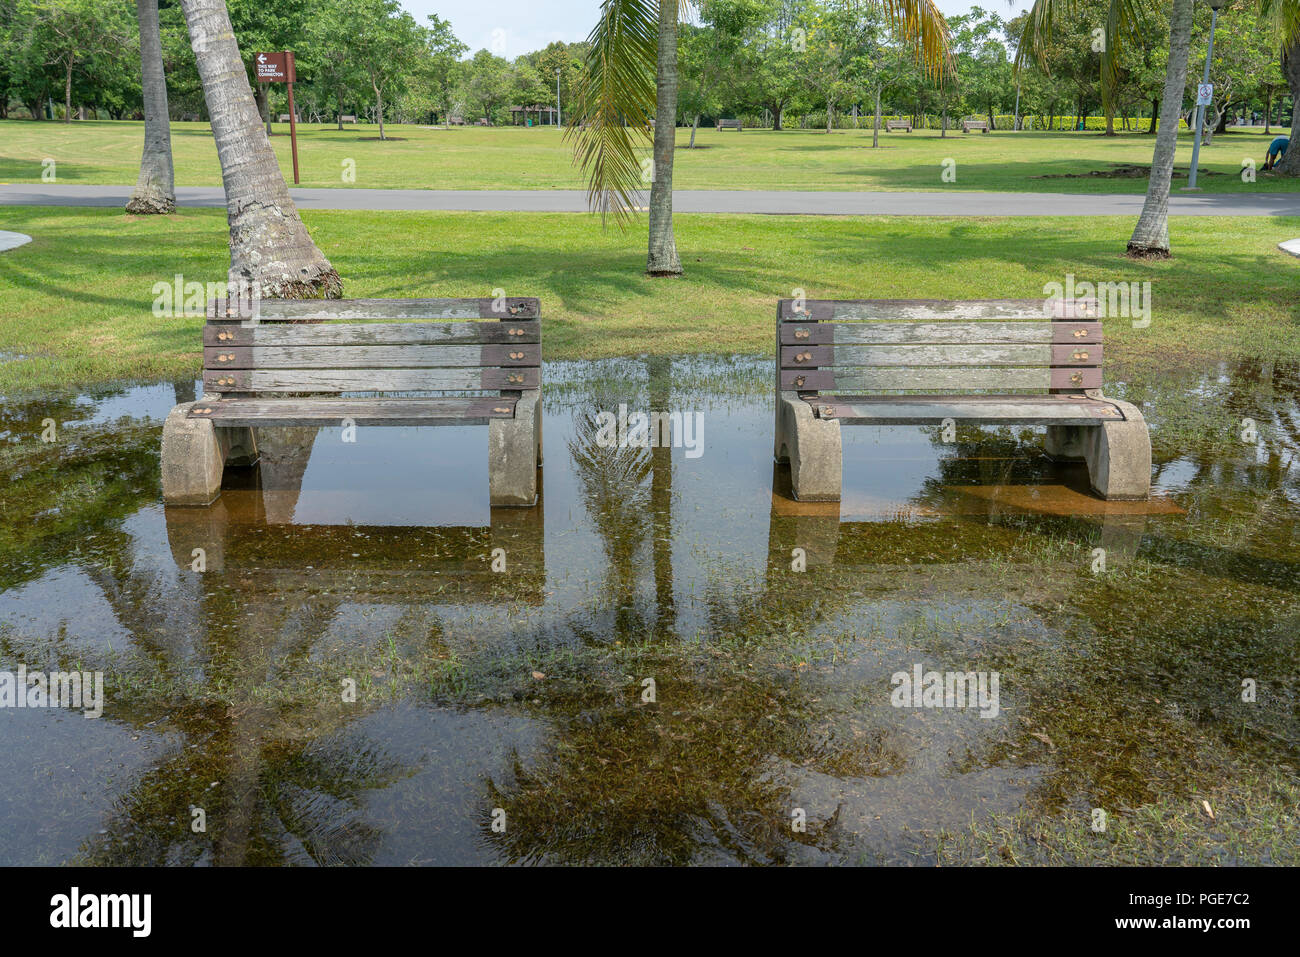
[[351, 659]]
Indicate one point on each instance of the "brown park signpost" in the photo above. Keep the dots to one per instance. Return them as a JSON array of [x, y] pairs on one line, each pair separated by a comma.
[[279, 68]]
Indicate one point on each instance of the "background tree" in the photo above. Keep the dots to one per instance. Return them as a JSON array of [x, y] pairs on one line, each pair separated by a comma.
[[155, 190], [73, 32], [270, 250], [384, 43]]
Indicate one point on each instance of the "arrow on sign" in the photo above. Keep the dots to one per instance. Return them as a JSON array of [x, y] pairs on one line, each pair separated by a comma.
[[261, 58]]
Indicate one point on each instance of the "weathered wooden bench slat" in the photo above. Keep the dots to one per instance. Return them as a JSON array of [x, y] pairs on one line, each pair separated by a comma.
[[369, 380], [315, 412], [946, 380], [986, 410], [931, 333], [369, 333], [371, 357], [327, 310], [975, 355], [938, 309]]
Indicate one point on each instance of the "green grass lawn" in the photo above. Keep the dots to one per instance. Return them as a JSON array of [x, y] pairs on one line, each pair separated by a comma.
[[75, 304], [519, 158]]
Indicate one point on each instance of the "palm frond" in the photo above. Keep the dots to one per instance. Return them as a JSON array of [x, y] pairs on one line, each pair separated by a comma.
[[615, 98], [920, 24], [1037, 31], [1285, 16]]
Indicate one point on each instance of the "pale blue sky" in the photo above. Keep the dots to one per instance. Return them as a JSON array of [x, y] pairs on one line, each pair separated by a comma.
[[514, 27]]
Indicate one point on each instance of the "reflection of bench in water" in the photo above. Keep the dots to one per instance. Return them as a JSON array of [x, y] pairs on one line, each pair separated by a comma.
[[954, 524], [239, 536]]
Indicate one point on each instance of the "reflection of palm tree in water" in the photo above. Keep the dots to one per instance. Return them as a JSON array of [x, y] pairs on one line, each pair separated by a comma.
[[286, 787], [624, 512], [613, 490]]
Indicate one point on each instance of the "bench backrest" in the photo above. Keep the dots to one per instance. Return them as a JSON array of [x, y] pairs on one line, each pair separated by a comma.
[[729, 124], [899, 124], [373, 345], [1001, 346], [974, 124]]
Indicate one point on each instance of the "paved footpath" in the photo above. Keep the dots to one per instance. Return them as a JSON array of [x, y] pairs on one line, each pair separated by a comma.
[[785, 202]]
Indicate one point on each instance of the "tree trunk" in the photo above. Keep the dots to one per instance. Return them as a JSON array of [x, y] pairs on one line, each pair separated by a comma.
[[1268, 106], [271, 253], [263, 96], [944, 133], [695, 126], [1290, 165], [1151, 235], [155, 190], [662, 258], [875, 129], [830, 110], [67, 93], [776, 119], [379, 107], [1155, 111], [340, 112]]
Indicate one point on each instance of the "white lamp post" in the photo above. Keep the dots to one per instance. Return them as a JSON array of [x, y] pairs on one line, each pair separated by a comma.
[[1215, 7]]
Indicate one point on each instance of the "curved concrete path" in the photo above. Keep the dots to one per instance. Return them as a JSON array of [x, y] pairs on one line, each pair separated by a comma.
[[786, 202], [10, 240]]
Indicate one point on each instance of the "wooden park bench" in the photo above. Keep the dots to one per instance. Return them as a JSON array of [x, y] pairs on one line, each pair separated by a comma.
[[925, 362], [729, 125], [302, 363], [348, 118], [284, 118], [969, 125], [904, 125]]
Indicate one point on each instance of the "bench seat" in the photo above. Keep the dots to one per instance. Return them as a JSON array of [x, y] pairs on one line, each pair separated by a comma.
[[439, 410], [979, 409]]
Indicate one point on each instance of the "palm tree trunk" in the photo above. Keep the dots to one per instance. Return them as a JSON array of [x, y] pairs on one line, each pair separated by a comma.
[[271, 253], [155, 190], [379, 108], [1151, 235], [662, 259], [875, 130], [67, 92], [1290, 165], [695, 126]]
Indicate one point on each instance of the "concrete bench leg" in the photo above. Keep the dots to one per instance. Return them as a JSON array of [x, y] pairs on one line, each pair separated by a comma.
[[1066, 443], [1119, 456], [513, 454], [194, 452], [813, 446]]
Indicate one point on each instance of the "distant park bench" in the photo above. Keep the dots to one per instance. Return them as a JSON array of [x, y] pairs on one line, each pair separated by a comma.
[[968, 126], [257, 364], [284, 118], [189, 117], [348, 118], [905, 125], [729, 125], [931, 362], [455, 121]]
